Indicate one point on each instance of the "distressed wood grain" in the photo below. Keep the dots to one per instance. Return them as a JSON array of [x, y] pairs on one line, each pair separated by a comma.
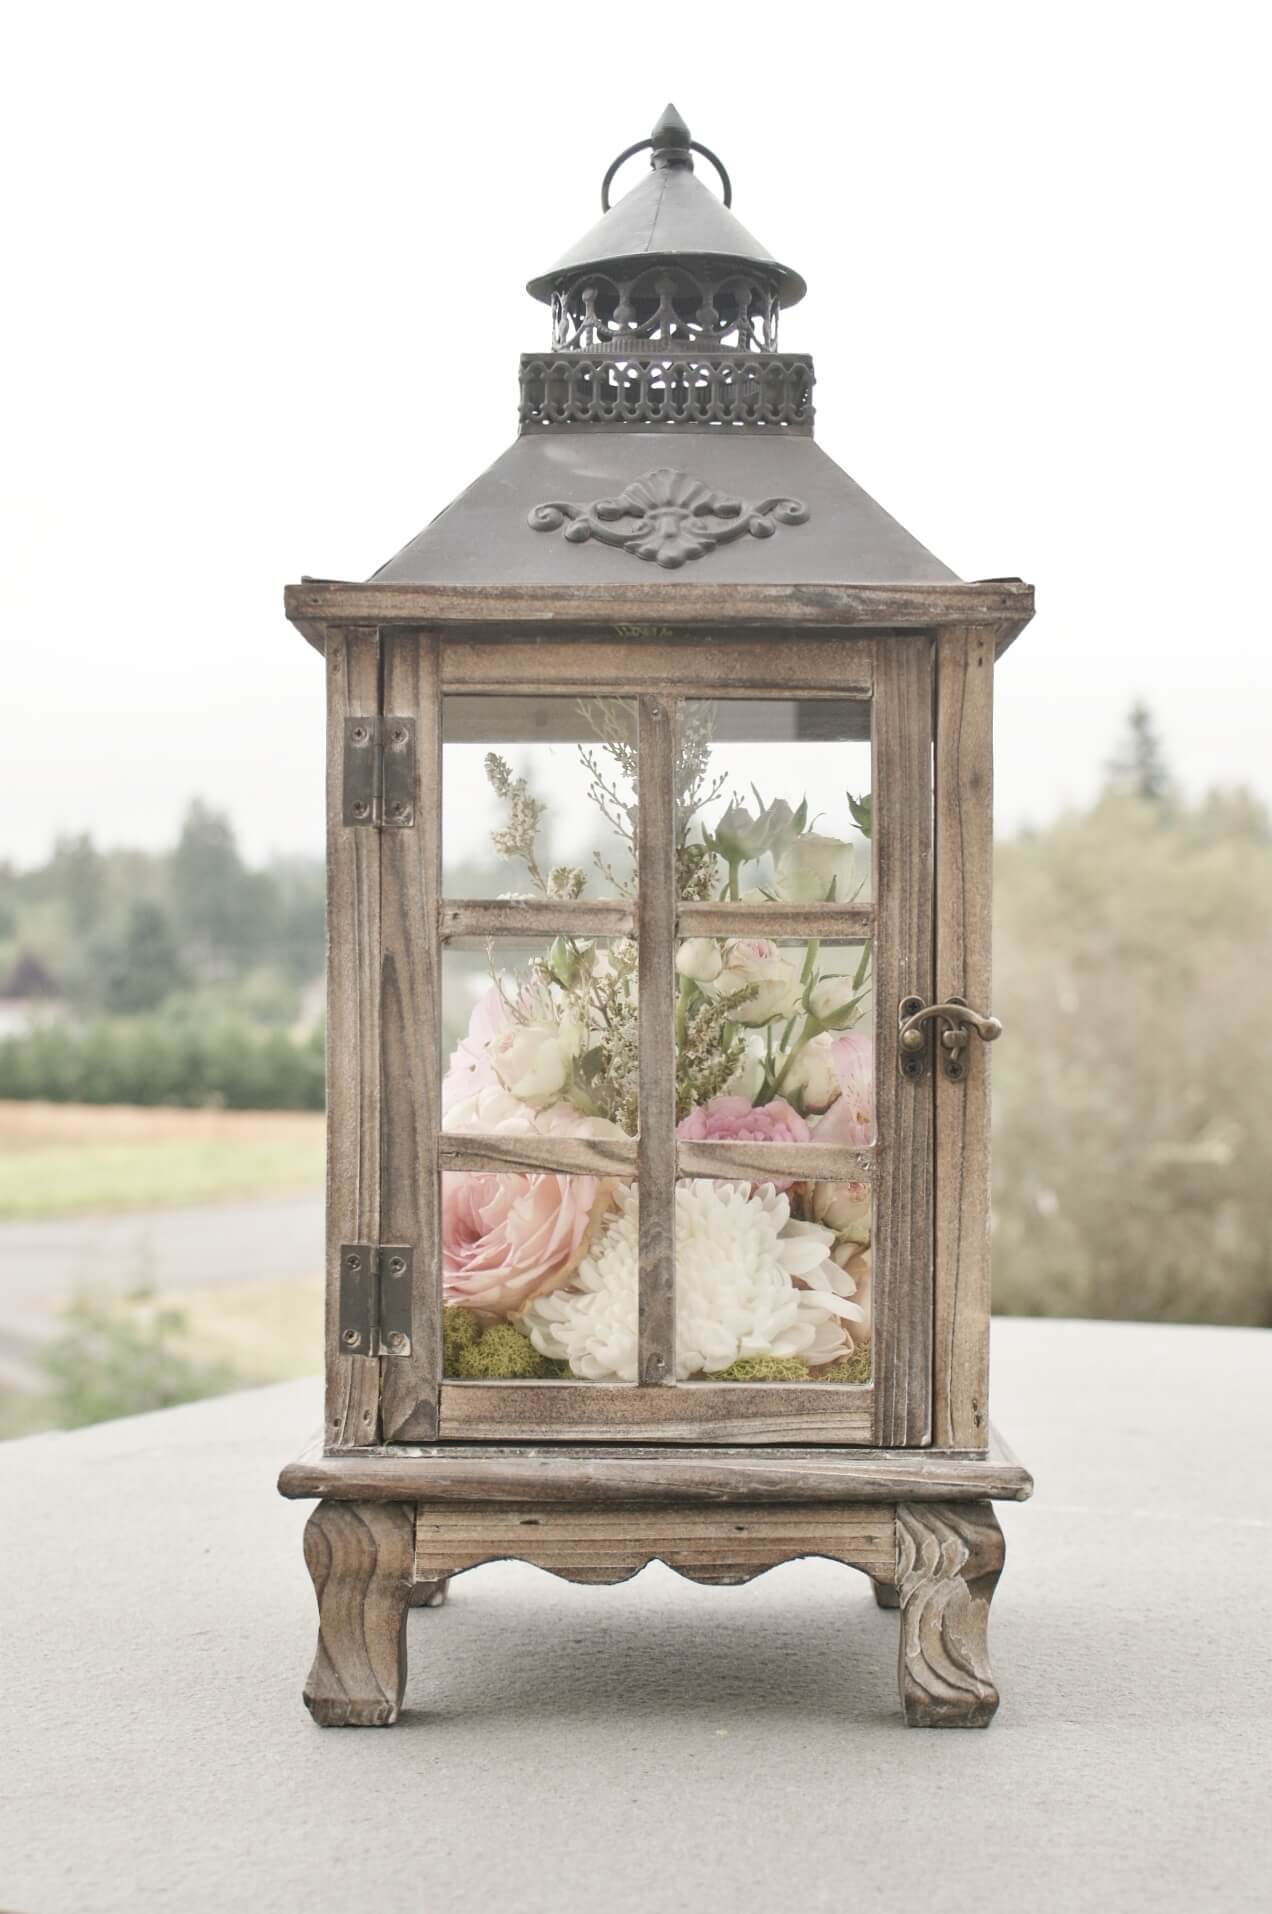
[[700, 1412], [485, 917], [720, 665], [761, 1162], [579, 1472], [851, 922], [964, 919], [949, 1558], [361, 1557], [656, 907], [655, 602], [902, 776], [410, 1039], [353, 1037], [601, 1545], [567, 1156]]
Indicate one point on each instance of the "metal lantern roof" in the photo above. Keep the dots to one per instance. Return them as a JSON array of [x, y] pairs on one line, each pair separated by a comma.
[[670, 215], [662, 424]]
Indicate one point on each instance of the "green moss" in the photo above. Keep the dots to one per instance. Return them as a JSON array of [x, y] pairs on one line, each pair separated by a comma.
[[461, 1331], [480, 1351], [763, 1369], [853, 1368]]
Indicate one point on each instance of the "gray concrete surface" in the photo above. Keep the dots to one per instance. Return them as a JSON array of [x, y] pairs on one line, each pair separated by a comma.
[[44, 1261], [656, 1746]]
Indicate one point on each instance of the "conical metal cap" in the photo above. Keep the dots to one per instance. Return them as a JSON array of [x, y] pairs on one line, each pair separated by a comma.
[[671, 218]]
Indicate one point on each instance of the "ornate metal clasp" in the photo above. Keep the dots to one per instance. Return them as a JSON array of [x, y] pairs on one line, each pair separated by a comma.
[[956, 1020]]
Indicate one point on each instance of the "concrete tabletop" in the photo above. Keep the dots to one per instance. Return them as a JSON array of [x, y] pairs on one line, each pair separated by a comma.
[[656, 1745]]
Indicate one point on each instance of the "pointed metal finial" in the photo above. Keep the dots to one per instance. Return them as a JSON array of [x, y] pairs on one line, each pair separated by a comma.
[[670, 140]]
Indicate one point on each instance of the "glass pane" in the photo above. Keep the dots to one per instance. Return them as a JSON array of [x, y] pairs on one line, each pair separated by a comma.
[[538, 796], [774, 800], [774, 1046], [541, 1032], [540, 1041], [774, 1040], [539, 1277], [772, 1281]]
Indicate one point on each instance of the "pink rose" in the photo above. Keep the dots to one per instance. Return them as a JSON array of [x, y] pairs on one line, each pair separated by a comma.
[[511, 1235], [728, 1119], [850, 1118], [470, 1068]]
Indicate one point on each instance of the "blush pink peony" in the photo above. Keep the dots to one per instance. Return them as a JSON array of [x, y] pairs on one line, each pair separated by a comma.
[[727, 1119], [850, 1118], [511, 1235], [470, 1068]]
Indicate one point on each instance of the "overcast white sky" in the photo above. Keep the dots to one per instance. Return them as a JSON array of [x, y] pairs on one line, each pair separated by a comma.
[[262, 259]]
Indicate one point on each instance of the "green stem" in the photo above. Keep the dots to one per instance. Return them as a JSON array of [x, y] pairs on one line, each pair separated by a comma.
[[734, 892], [684, 996], [811, 1028]]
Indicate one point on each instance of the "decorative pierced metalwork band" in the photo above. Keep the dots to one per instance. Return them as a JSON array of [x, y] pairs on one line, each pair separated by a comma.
[[665, 305], [732, 389]]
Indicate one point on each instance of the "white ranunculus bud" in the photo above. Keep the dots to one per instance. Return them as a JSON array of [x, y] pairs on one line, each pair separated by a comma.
[[700, 958], [748, 1080], [755, 960], [812, 1076], [811, 864], [831, 1001], [532, 1062]]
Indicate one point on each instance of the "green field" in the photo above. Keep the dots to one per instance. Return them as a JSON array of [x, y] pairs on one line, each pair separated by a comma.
[[72, 1160]]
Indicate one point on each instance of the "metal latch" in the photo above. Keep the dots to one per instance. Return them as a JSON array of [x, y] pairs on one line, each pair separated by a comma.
[[379, 772], [375, 1299], [957, 1019]]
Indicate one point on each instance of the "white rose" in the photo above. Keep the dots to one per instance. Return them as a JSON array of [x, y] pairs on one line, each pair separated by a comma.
[[831, 1002], [812, 1076], [532, 1061], [700, 958], [754, 960], [811, 864]]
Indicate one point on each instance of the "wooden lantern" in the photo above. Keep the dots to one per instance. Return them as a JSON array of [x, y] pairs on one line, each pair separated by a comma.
[[695, 1266]]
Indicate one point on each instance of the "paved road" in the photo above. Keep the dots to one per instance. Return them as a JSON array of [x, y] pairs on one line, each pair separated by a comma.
[[43, 1263]]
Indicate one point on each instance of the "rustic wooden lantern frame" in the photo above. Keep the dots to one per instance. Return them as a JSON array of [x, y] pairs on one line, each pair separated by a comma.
[[420, 1477]]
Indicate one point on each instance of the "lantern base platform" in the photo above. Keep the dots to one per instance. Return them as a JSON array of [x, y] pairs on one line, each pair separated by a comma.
[[394, 1526]]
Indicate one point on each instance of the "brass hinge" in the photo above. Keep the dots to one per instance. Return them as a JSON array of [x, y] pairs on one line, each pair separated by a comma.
[[375, 1299], [379, 772]]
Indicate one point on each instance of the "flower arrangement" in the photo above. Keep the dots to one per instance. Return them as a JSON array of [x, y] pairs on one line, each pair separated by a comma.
[[773, 1279]]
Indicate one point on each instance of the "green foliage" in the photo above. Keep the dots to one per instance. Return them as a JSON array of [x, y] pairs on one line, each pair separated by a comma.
[[166, 1059], [1132, 1120], [1138, 769], [121, 1359], [80, 914], [146, 969]]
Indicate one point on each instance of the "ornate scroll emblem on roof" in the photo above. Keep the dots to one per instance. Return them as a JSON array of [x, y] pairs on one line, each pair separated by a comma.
[[676, 518]]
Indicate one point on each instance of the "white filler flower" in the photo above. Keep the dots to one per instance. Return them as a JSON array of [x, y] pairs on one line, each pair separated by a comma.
[[749, 1282]]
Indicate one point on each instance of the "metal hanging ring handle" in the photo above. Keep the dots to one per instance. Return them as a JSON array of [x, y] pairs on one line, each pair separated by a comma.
[[695, 146]]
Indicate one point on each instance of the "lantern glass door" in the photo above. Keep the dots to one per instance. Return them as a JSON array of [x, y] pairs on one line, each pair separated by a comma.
[[683, 1186]]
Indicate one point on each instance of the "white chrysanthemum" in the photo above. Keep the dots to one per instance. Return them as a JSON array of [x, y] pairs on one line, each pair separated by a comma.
[[749, 1282]]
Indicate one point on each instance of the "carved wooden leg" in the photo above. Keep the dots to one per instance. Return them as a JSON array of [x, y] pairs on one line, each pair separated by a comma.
[[887, 1594], [361, 1556], [949, 1558], [430, 1594]]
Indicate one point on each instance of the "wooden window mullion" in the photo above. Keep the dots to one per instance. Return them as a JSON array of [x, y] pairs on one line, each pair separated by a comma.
[[656, 930]]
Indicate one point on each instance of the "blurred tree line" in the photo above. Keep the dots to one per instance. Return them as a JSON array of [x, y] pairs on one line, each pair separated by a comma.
[[1132, 1116], [179, 976]]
